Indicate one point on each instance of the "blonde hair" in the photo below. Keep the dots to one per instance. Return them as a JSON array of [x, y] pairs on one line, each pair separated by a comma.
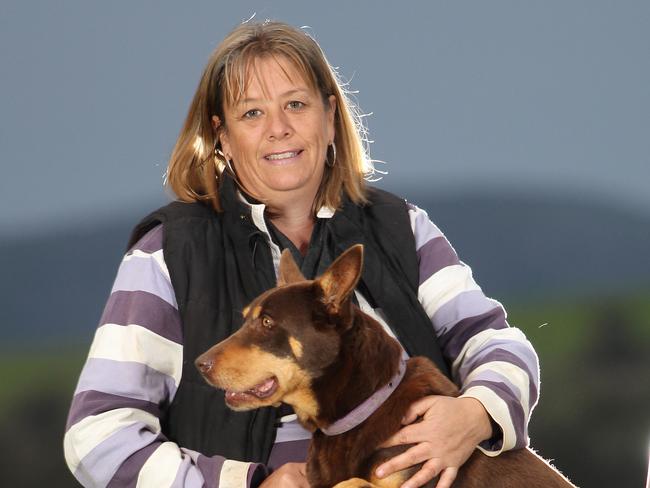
[[195, 168]]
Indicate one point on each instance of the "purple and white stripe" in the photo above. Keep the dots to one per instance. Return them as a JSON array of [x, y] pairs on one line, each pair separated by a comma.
[[134, 365], [493, 362]]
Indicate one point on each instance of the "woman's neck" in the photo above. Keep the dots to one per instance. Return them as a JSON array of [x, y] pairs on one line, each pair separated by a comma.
[[292, 214], [296, 225]]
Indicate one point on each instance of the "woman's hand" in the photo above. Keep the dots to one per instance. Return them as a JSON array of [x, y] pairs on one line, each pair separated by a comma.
[[292, 475], [445, 438]]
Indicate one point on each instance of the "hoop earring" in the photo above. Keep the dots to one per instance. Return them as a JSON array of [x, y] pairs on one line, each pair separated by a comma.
[[327, 160], [222, 159]]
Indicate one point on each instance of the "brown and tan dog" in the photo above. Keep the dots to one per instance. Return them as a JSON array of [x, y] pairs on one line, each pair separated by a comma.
[[306, 344]]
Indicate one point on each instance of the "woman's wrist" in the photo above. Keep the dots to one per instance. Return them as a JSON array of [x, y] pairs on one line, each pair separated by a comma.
[[480, 420]]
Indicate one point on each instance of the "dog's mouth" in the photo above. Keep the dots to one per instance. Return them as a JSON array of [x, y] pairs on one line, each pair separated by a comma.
[[259, 392]]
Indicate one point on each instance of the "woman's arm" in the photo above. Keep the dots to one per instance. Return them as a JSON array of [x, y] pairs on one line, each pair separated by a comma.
[[491, 361], [113, 435], [494, 364]]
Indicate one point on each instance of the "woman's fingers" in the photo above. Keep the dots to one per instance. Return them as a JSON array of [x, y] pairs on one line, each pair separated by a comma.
[[406, 435], [288, 475], [417, 409], [429, 470], [449, 430], [414, 455], [447, 477]]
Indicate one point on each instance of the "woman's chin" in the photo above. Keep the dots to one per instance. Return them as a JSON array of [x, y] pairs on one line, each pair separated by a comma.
[[288, 186], [270, 181]]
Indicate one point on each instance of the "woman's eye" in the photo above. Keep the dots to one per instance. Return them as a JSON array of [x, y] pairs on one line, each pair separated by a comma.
[[295, 105], [251, 114], [267, 322]]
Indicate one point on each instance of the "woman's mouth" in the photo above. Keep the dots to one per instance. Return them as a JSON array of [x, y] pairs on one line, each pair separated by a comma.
[[281, 157]]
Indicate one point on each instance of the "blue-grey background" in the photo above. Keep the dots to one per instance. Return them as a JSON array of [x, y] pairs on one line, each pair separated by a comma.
[[522, 127]]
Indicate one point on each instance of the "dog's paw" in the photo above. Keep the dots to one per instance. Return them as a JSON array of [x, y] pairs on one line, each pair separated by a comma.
[[355, 483]]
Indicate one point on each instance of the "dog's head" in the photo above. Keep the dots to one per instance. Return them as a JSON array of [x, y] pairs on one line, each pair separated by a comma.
[[291, 333]]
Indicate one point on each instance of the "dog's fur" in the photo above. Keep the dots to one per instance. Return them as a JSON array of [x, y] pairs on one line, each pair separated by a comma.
[[306, 344]]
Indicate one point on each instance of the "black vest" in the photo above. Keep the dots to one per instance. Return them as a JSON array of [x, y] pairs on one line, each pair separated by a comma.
[[219, 262]]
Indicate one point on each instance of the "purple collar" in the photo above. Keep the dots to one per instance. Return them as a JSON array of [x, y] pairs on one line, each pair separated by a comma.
[[368, 407]]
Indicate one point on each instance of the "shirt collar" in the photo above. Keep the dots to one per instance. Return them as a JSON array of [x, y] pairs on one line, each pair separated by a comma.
[[257, 212]]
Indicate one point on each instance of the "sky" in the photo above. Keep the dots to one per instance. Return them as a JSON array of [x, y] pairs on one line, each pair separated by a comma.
[[549, 98]]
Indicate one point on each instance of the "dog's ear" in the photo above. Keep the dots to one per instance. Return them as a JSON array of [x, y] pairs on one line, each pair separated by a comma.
[[288, 271], [341, 278]]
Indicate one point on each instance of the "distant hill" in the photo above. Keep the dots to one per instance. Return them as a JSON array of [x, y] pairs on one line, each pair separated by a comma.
[[526, 246], [53, 286]]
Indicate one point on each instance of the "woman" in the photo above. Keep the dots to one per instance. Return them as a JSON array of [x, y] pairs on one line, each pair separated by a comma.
[[271, 157]]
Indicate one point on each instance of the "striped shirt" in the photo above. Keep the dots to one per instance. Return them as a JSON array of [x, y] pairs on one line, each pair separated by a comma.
[[113, 434]]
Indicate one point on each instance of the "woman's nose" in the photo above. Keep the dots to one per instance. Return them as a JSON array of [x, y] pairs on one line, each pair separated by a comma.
[[279, 125]]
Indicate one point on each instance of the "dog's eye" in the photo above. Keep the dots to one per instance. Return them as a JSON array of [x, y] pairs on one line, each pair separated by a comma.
[[267, 322]]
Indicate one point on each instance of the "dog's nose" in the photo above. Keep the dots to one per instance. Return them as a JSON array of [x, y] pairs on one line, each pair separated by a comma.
[[204, 365]]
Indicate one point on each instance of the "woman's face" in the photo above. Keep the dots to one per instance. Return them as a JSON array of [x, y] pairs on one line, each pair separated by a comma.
[[277, 134]]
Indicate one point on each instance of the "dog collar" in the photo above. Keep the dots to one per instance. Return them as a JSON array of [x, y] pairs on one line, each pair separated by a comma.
[[368, 407]]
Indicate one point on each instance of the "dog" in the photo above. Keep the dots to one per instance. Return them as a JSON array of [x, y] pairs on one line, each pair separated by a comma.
[[305, 343]]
